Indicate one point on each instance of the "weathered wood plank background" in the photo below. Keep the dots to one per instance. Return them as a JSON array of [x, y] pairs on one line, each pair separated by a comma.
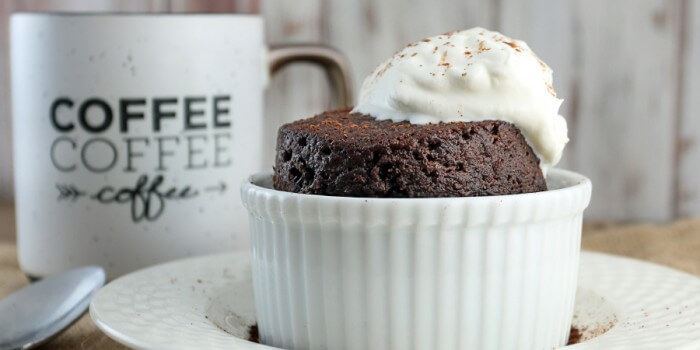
[[627, 70]]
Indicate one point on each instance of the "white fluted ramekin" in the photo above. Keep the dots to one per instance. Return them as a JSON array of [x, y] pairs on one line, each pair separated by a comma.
[[426, 273]]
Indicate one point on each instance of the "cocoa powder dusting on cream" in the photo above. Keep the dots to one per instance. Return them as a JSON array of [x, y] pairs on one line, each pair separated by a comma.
[[482, 46], [384, 69], [513, 45]]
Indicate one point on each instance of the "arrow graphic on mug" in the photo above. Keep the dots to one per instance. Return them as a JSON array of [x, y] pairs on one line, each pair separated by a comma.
[[66, 192], [221, 187]]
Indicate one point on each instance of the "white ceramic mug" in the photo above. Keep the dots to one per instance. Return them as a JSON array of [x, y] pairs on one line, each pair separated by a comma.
[[132, 133]]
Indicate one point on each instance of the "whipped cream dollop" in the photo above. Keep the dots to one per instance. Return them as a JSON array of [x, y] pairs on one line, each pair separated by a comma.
[[470, 75]]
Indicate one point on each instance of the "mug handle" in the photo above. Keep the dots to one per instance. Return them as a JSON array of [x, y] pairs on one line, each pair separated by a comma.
[[333, 62]]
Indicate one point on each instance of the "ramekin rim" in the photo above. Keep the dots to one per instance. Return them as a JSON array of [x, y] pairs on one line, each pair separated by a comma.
[[581, 182]]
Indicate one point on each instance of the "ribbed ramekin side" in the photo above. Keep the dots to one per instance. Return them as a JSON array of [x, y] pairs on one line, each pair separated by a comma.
[[332, 272]]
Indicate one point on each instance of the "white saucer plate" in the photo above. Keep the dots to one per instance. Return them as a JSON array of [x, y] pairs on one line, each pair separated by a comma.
[[207, 302]]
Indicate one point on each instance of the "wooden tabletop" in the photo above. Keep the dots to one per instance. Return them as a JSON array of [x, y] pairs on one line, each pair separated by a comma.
[[675, 244]]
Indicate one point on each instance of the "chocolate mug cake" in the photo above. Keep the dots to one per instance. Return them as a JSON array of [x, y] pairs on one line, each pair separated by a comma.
[[470, 113], [428, 216]]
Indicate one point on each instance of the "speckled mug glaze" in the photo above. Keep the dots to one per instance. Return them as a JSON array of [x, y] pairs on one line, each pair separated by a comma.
[[493, 272], [133, 131]]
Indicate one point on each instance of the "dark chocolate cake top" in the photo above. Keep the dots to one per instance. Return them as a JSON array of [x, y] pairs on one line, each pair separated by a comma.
[[351, 154]]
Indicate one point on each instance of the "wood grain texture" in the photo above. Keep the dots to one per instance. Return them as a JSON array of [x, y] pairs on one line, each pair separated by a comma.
[[688, 136], [301, 90], [619, 98], [624, 136], [626, 70]]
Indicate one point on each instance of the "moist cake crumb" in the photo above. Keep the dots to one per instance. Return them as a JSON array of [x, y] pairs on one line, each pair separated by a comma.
[[340, 153]]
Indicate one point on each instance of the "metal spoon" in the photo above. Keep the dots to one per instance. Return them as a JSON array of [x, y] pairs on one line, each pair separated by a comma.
[[39, 311]]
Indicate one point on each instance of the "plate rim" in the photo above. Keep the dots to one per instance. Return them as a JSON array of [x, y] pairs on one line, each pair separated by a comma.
[[134, 342]]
